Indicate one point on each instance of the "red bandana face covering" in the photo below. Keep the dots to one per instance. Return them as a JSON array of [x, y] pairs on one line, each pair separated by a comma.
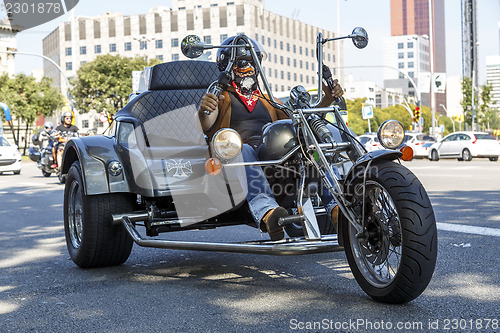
[[249, 100], [245, 84]]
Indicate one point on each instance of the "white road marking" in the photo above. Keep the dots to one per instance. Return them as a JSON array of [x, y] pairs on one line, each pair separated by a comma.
[[468, 229], [32, 184]]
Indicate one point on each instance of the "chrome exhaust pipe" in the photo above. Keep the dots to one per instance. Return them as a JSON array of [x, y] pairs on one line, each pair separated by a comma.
[[133, 217], [283, 247]]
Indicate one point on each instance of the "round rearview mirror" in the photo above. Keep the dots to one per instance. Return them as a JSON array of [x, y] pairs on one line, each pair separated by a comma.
[[300, 96], [192, 46], [359, 37]]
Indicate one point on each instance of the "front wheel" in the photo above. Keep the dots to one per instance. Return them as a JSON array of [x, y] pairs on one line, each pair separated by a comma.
[[466, 155], [91, 238], [434, 155], [393, 259], [494, 159]]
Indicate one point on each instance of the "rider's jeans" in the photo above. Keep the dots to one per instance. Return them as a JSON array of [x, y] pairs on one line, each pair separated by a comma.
[[260, 197]]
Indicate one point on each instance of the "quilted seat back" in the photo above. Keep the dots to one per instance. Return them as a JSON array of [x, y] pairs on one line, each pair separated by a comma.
[[168, 109]]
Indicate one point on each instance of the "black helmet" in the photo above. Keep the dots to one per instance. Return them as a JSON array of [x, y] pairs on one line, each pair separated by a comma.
[[66, 114], [242, 55], [278, 138]]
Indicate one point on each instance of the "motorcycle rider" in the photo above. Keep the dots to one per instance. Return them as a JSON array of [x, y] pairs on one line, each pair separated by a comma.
[[46, 135], [65, 126], [243, 109]]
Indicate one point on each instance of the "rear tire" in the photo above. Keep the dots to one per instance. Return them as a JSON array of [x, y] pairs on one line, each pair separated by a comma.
[[494, 159], [394, 260], [18, 172], [46, 174], [91, 238], [434, 155], [466, 155]]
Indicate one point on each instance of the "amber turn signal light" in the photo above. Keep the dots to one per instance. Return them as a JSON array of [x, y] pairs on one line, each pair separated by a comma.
[[213, 166], [407, 153]]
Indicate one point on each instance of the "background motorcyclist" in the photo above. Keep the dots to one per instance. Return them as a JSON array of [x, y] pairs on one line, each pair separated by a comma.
[[64, 127], [243, 108], [45, 136]]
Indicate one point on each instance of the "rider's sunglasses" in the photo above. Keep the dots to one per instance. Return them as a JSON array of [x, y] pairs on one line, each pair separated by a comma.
[[67, 117]]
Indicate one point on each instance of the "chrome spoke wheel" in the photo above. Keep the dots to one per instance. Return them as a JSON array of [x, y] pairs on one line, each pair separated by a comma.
[[378, 250], [75, 215]]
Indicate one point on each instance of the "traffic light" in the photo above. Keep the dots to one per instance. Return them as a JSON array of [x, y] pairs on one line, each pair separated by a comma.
[[416, 113]]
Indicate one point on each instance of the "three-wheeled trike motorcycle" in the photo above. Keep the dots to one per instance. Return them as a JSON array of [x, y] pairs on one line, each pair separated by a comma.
[[156, 173]]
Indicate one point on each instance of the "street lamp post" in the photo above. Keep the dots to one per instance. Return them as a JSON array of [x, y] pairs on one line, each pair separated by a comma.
[[417, 54], [53, 63], [446, 111]]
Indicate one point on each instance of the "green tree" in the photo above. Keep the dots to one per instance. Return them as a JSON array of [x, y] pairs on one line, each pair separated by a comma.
[[485, 113], [105, 83], [487, 110], [467, 99], [397, 112], [29, 99]]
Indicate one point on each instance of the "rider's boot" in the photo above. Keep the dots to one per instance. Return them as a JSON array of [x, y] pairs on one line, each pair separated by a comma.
[[270, 220]]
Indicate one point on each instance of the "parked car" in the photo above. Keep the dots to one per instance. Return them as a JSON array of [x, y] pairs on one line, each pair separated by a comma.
[[10, 158], [465, 146], [420, 143], [370, 141]]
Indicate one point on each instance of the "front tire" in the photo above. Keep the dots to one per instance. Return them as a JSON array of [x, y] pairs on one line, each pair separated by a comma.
[[494, 159], [434, 155], [394, 259], [466, 155], [91, 238]]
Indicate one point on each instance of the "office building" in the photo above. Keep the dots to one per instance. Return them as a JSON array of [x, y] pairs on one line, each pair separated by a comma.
[[290, 44], [493, 78], [407, 57], [411, 17], [7, 43]]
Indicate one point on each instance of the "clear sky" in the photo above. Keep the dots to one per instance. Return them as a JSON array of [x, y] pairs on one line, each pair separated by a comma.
[[373, 15]]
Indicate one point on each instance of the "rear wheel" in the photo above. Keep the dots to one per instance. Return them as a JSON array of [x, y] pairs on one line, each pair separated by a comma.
[[434, 155], [393, 259], [18, 172], [466, 155], [46, 174], [494, 159], [91, 238]]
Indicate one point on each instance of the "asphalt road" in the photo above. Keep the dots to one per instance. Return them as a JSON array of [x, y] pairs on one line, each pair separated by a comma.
[[41, 290]]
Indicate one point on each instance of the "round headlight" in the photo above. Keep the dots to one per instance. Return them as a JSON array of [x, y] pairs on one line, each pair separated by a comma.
[[391, 134], [226, 143]]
